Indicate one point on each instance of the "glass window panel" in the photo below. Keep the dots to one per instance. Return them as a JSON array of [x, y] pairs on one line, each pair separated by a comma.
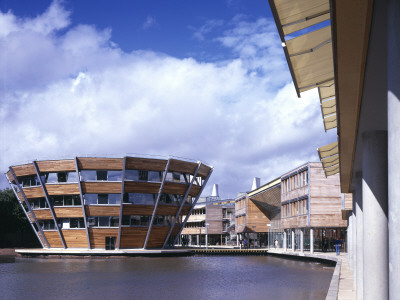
[[104, 221], [102, 199], [88, 175], [114, 198], [74, 223], [101, 175], [51, 178], [62, 176], [114, 222], [58, 201], [135, 220], [125, 220], [72, 177], [81, 223], [143, 175], [68, 200], [155, 176], [92, 221], [76, 200], [132, 175], [114, 175], [144, 220], [90, 199]]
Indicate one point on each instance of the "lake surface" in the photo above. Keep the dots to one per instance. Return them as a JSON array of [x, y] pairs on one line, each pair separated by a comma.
[[215, 277]]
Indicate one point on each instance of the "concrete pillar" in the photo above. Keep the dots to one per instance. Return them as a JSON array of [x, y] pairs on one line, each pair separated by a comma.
[[375, 194], [311, 240], [284, 241], [198, 239], [394, 146], [293, 248], [237, 240], [357, 198], [302, 240], [350, 239], [354, 241]]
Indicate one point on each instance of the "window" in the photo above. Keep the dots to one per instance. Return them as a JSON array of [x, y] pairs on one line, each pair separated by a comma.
[[140, 198], [100, 175], [66, 200], [103, 221], [28, 181], [102, 199], [38, 203], [59, 177], [47, 225], [171, 199], [71, 223], [142, 175]]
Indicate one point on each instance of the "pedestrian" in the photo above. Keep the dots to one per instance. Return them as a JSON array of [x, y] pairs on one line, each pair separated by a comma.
[[245, 243], [338, 243], [276, 244]]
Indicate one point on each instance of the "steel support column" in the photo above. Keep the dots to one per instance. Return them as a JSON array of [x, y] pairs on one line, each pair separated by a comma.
[[156, 204], [302, 240], [293, 237], [194, 203], [311, 240], [359, 242], [82, 202], [121, 203], [182, 204], [46, 196], [29, 208]]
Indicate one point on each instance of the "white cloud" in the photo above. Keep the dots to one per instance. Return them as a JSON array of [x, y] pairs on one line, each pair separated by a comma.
[[150, 22], [76, 93]]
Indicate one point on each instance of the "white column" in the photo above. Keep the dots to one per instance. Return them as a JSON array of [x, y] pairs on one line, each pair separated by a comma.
[[394, 146], [357, 198], [354, 241], [198, 239], [350, 239], [302, 240], [293, 240], [284, 241], [237, 239], [375, 195], [311, 240]]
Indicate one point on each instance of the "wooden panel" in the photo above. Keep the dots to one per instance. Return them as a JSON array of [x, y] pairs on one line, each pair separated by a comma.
[[140, 210], [257, 218], [20, 197], [100, 163], [204, 171], [214, 219], [75, 238], [348, 201], [97, 210], [294, 222], [54, 239], [133, 237], [175, 188], [182, 166], [166, 210], [43, 214], [149, 164], [176, 229], [56, 165], [41, 237], [30, 217], [101, 187], [194, 191], [68, 212], [9, 176], [98, 236], [62, 189], [157, 236], [295, 193], [24, 170], [33, 192], [194, 230], [185, 209], [141, 187]]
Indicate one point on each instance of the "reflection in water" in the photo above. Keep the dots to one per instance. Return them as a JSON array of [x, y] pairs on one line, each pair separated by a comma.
[[237, 277]]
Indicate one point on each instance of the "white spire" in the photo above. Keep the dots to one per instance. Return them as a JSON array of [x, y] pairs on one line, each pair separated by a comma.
[[256, 183], [215, 191]]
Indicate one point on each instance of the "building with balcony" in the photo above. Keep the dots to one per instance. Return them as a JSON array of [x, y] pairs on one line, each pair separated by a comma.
[[108, 203]]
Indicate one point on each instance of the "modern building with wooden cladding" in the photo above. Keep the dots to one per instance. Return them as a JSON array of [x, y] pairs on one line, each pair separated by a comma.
[[108, 203]]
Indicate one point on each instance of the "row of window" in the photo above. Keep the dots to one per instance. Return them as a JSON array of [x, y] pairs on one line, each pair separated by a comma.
[[199, 211], [108, 221], [295, 208], [108, 175], [195, 224], [241, 204], [295, 181], [240, 220]]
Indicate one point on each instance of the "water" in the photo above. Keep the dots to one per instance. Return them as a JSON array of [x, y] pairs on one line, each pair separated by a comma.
[[217, 277]]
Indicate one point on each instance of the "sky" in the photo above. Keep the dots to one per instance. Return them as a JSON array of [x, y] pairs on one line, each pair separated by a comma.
[[204, 80]]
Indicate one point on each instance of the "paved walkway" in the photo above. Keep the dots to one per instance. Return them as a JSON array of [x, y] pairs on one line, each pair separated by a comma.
[[346, 289]]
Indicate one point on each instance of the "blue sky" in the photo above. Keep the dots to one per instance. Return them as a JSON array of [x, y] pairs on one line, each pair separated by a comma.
[[205, 80]]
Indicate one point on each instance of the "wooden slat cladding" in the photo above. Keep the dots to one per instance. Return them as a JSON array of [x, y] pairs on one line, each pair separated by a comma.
[[133, 237], [175, 188], [98, 163], [157, 236], [98, 236], [101, 187], [54, 239], [141, 187], [167, 210], [148, 164], [68, 212], [176, 229], [30, 217], [195, 190], [75, 238], [214, 219], [140, 210], [43, 214], [10, 177], [182, 166], [20, 197], [257, 217], [41, 237], [24, 170], [203, 171], [62, 189], [294, 222], [33, 192], [185, 209], [97, 210], [66, 165]]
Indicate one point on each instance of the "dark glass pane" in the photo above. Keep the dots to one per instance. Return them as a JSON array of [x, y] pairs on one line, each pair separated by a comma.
[[67, 200], [73, 223], [135, 220], [90, 199], [126, 198], [125, 220], [144, 220], [101, 175], [81, 223], [76, 200], [155, 176], [58, 201], [104, 221], [143, 175], [92, 221], [62, 176], [102, 199], [132, 175], [114, 222], [176, 176]]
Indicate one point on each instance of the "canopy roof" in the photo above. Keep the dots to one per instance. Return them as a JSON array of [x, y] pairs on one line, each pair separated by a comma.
[[329, 156]]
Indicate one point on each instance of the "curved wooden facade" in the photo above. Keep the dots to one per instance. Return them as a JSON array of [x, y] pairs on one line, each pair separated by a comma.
[[108, 203]]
